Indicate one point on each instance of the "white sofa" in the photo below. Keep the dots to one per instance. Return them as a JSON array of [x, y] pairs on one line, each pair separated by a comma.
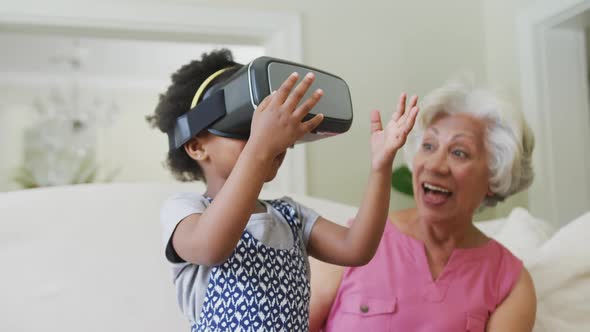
[[90, 258]]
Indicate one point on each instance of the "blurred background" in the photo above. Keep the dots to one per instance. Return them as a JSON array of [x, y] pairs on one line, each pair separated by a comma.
[[77, 79]]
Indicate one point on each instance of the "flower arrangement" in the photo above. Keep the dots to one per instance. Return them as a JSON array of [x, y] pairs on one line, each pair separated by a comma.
[[60, 145]]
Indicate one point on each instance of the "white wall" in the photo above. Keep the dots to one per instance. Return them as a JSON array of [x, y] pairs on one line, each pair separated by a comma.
[[557, 109], [128, 73], [502, 67], [382, 48]]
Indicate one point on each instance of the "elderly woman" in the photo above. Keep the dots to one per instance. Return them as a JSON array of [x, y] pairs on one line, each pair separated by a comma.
[[434, 270]]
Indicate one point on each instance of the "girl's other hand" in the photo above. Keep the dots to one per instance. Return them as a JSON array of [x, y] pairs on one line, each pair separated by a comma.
[[386, 141]]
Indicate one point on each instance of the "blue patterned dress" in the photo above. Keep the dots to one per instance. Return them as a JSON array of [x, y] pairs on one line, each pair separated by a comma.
[[259, 288]]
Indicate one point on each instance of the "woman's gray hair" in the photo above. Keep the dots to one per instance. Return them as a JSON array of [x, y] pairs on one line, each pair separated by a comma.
[[509, 140]]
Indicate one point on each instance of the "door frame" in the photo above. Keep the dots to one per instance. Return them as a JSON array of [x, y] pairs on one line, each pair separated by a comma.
[[542, 28]]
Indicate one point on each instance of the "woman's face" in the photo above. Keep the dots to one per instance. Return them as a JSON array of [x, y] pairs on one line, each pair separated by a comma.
[[450, 170]]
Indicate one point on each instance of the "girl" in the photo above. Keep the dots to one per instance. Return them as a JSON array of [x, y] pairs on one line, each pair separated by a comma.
[[239, 263]]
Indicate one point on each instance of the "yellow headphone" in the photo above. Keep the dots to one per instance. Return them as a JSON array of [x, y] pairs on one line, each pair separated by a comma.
[[205, 83]]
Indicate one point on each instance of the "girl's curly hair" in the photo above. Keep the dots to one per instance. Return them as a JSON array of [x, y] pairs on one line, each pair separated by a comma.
[[177, 100]]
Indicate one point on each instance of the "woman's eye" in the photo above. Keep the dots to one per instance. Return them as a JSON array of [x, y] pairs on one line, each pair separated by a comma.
[[460, 154], [426, 146]]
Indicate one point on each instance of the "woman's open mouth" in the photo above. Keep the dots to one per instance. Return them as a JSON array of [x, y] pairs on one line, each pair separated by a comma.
[[435, 194]]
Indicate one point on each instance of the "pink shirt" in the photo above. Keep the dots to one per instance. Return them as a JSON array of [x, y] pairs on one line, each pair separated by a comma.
[[395, 290]]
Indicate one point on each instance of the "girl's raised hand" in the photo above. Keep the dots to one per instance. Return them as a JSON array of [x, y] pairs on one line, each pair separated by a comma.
[[385, 142]]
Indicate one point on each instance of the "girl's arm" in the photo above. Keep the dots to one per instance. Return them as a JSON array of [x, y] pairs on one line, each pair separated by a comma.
[[356, 245], [209, 238]]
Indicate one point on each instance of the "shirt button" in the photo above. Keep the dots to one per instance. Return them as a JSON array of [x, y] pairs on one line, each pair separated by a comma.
[[364, 308]]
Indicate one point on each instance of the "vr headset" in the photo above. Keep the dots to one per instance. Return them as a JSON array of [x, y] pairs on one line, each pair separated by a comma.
[[226, 108]]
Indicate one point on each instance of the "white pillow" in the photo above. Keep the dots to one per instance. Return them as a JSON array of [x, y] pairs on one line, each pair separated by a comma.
[[490, 227], [522, 233], [561, 272]]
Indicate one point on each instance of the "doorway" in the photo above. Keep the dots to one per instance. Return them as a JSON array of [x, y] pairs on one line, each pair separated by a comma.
[[555, 92]]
